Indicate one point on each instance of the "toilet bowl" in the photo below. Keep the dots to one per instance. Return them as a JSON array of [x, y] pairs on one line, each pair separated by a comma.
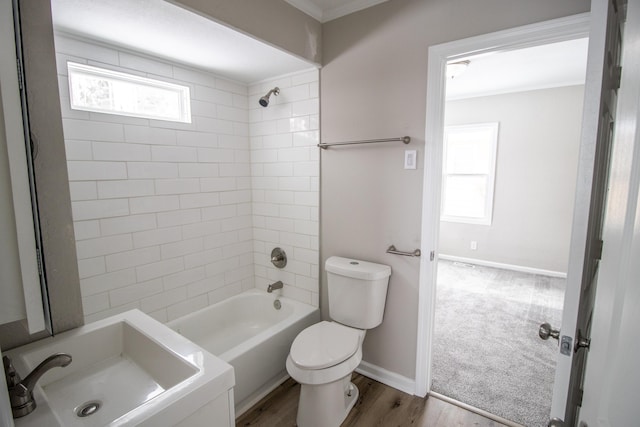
[[323, 356], [322, 359]]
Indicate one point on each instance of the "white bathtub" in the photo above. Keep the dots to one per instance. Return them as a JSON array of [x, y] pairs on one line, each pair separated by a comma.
[[247, 332]]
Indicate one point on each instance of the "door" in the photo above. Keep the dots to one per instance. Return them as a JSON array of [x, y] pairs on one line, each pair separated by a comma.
[[603, 78], [611, 392]]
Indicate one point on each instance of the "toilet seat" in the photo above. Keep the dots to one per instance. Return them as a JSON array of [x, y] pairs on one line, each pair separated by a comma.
[[324, 344]]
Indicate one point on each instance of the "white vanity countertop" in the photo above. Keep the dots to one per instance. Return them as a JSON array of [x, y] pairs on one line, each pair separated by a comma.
[[194, 376]]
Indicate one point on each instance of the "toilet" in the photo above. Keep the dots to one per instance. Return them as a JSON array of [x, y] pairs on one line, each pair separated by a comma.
[[323, 356]]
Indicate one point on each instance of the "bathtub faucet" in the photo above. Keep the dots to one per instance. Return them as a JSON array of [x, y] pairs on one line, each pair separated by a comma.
[[272, 287], [21, 391]]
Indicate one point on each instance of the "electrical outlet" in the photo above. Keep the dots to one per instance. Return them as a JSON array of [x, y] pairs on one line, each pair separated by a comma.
[[474, 245]]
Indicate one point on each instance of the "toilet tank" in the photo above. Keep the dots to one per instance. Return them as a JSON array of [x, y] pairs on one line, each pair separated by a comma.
[[357, 291]]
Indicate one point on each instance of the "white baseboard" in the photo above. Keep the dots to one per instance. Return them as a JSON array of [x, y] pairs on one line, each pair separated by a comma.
[[511, 267], [389, 378]]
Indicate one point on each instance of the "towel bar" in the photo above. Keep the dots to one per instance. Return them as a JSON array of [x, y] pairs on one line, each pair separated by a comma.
[[392, 250], [403, 139]]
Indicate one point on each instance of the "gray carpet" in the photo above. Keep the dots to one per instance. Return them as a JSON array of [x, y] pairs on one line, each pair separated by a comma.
[[487, 352]]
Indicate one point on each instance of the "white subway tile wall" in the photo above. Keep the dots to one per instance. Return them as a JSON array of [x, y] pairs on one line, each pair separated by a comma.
[[285, 183], [172, 217]]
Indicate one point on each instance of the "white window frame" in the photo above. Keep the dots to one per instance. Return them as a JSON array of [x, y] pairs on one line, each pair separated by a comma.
[[182, 92], [487, 218]]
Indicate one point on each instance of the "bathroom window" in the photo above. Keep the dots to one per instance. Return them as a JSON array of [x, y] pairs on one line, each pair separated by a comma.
[[469, 173], [111, 92]]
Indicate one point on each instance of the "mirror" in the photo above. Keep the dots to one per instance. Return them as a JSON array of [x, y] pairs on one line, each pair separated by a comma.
[[20, 293]]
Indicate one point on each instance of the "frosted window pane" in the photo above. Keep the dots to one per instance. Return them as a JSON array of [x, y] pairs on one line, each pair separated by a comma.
[[110, 92], [158, 102], [91, 91]]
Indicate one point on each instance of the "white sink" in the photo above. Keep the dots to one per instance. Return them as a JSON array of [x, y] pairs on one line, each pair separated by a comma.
[[134, 369]]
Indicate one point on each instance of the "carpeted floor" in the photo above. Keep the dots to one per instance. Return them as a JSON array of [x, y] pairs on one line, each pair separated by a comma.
[[487, 352]]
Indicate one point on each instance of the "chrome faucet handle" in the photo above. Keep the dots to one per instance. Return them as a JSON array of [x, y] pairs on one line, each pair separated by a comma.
[[278, 258], [10, 373]]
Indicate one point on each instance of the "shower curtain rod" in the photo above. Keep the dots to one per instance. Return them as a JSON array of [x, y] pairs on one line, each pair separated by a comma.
[[404, 139]]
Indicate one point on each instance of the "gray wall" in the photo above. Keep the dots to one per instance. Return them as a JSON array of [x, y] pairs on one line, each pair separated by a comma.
[[273, 21], [373, 84], [54, 203], [538, 143]]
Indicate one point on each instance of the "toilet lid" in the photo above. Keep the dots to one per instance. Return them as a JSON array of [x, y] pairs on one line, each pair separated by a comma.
[[323, 345]]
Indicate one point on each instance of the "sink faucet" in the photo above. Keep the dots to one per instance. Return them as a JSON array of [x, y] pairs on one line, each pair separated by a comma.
[[21, 391], [272, 287]]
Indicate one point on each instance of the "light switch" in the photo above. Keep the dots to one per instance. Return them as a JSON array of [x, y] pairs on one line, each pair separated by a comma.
[[410, 159]]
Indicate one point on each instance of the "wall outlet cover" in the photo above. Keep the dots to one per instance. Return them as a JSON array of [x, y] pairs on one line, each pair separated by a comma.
[[410, 159]]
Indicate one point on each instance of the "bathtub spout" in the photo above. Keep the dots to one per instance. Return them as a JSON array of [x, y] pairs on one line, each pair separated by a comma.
[[272, 287]]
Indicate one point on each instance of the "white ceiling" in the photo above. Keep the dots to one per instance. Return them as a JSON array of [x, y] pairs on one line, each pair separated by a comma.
[[167, 31], [164, 30], [539, 67], [326, 10]]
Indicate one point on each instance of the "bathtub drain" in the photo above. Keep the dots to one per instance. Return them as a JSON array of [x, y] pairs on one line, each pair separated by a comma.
[[277, 304], [88, 409]]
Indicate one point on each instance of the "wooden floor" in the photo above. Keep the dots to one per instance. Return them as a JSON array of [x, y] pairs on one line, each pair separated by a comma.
[[378, 405]]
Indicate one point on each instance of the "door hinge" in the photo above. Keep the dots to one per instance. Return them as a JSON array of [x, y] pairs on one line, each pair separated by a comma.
[[620, 7], [579, 397], [20, 75], [617, 77], [39, 260], [581, 342], [432, 255], [597, 249]]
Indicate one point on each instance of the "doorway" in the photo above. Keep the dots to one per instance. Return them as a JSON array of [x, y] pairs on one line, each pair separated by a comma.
[[511, 279], [511, 143]]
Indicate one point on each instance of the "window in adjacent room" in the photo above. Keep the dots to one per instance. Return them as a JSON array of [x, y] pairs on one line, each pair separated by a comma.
[[111, 92], [469, 173]]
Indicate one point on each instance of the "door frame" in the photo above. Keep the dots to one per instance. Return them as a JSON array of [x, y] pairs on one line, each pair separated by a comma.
[[562, 29]]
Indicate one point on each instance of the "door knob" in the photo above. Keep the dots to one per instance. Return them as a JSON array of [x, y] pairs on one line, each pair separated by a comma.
[[547, 331], [555, 422]]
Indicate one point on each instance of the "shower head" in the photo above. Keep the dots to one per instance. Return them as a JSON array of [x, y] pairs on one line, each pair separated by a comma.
[[264, 101]]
